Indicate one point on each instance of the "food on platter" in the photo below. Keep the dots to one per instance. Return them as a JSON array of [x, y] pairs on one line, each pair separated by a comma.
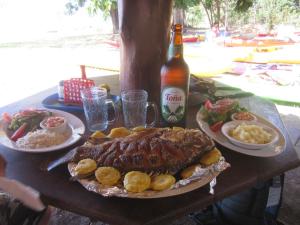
[[153, 150], [220, 112], [119, 132], [97, 138], [35, 129], [243, 116], [73, 133], [275, 147], [41, 139], [138, 129], [136, 181], [20, 132], [54, 124], [210, 157], [162, 182], [53, 121], [85, 166], [97, 135], [207, 159], [177, 128], [189, 171], [147, 161], [107, 175], [19, 124], [250, 133]]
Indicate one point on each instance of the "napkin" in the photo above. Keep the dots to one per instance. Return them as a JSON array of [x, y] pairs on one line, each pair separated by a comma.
[[27, 195]]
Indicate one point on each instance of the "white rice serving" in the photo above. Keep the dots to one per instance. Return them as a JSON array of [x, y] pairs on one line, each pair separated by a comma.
[[41, 139]]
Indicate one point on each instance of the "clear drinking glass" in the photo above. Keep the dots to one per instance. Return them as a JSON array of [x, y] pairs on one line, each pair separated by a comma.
[[95, 105], [134, 105]]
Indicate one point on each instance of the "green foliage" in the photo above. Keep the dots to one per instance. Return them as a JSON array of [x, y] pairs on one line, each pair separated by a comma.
[[107, 7], [94, 6], [243, 5], [238, 18], [74, 5], [194, 16], [275, 12], [216, 10], [251, 12], [103, 5], [185, 4], [266, 12], [208, 4], [232, 12]]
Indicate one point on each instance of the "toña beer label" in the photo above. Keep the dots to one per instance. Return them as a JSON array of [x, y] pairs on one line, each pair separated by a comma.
[[173, 101]]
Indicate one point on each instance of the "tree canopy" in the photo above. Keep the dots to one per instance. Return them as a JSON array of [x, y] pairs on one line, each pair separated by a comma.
[[107, 7], [218, 12], [185, 4]]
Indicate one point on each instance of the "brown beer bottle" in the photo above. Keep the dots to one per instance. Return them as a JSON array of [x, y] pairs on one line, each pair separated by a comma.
[[175, 78]]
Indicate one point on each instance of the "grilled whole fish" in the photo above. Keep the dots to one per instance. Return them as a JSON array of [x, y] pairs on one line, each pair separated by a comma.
[[161, 150]]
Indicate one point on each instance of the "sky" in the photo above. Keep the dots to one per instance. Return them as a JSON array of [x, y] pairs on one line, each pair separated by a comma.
[[31, 70], [35, 19]]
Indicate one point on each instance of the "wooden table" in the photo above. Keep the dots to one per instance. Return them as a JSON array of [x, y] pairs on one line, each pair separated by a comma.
[[57, 190]]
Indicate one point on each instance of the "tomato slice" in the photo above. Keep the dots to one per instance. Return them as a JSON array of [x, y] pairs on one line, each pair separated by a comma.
[[225, 102], [28, 112], [6, 117], [216, 126], [208, 105], [20, 132]]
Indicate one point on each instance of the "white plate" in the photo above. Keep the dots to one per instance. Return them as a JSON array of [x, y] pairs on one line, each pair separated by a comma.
[[233, 124], [76, 127], [269, 151]]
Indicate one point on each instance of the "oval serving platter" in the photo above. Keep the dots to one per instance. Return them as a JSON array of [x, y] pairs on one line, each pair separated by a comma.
[[118, 191]]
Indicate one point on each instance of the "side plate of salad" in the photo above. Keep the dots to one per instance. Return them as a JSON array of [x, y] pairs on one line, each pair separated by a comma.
[[212, 116], [22, 131], [220, 112]]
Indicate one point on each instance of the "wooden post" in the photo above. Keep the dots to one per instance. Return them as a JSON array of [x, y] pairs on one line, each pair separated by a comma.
[[144, 31]]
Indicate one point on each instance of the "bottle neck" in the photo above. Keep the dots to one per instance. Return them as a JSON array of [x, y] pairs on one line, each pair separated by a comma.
[[176, 46]]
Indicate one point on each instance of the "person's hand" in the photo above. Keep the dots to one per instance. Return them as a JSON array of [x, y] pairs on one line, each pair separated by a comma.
[[2, 166]]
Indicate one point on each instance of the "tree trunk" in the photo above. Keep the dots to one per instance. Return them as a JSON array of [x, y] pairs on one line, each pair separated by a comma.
[[178, 16], [114, 18], [218, 16], [208, 12], [144, 32]]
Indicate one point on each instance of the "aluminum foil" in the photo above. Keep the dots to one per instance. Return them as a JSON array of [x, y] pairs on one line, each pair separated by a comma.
[[201, 177]]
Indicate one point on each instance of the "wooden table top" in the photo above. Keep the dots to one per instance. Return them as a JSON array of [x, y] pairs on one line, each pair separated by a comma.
[[57, 190]]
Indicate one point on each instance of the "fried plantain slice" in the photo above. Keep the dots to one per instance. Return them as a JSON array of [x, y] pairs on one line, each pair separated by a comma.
[[98, 134], [188, 172], [119, 132], [136, 181], [138, 129], [85, 166], [162, 182], [210, 157], [107, 175], [177, 128]]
